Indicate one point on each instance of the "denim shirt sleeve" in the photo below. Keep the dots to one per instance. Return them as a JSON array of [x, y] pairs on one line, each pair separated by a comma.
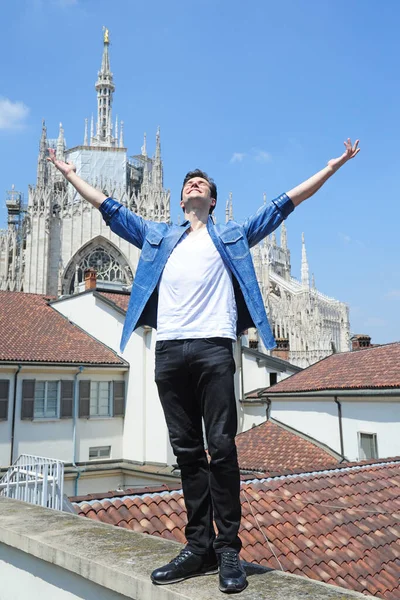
[[267, 219], [124, 222]]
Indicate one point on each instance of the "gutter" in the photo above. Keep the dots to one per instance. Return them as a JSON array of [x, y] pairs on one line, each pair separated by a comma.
[[74, 424], [340, 425], [320, 394], [14, 414], [123, 365]]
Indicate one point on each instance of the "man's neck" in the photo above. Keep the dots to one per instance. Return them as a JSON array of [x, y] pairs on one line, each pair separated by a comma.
[[198, 219]]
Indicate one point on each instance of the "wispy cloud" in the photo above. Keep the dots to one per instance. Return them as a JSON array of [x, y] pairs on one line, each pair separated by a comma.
[[237, 157], [393, 294], [347, 239], [261, 156], [12, 114], [344, 237]]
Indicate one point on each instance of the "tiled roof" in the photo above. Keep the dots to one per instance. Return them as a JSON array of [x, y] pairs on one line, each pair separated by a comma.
[[367, 368], [340, 526], [33, 331], [119, 299], [273, 446]]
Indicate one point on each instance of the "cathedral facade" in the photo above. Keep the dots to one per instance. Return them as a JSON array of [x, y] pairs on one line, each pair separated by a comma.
[[49, 244]]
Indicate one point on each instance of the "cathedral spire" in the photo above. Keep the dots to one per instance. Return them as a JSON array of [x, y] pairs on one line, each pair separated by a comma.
[[41, 169], [105, 88], [157, 174], [121, 135], [85, 139], [283, 236], [229, 209], [60, 154], [305, 276], [60, 144]]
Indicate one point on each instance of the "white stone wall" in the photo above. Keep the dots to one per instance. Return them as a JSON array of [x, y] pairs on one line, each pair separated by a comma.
[[319, 419]]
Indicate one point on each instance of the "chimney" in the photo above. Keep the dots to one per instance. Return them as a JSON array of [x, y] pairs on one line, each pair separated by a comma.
[[282, 349], [90, 279], [360, 341]]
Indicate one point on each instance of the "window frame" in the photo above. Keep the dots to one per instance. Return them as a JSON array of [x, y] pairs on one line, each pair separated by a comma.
[[99, 448], [375, 443], [110, 413], [46, 417]]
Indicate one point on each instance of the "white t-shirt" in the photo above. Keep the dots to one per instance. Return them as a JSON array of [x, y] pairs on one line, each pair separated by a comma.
[[195, 293]]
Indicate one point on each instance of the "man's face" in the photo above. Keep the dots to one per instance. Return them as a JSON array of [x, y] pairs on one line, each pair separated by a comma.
[[196, 193]]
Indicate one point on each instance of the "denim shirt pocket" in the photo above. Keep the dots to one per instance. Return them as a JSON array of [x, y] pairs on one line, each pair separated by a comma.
[[235, 243], [151, 245]]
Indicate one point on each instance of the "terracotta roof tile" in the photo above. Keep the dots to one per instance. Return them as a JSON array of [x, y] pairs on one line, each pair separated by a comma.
[[370, 368], [33, 331], [120, 299], [354, 546], [273, 446]]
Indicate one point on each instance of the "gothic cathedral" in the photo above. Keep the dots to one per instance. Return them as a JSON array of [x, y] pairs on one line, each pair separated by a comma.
[[49, 244]]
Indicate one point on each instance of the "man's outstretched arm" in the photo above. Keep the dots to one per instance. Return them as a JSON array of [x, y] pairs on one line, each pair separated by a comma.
[[310, 186], [271, 215], [85, 190], [122, 221]]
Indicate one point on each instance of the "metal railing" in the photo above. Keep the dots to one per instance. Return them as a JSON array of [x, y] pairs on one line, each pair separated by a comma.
[[36, 480]]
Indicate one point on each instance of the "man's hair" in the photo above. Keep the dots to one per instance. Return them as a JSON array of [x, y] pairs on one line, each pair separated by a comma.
[[199, 173]]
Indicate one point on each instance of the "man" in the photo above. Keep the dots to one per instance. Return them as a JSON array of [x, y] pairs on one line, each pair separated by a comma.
[[196, 284]]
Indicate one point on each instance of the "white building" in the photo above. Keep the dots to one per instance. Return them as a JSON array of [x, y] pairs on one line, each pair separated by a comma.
[[49, 244], [66, 392], [349, 401]]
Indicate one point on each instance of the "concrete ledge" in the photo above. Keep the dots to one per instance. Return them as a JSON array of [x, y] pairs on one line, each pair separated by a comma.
[[120, 561]]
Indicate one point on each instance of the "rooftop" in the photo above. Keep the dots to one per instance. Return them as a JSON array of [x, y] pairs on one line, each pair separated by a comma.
[[338, 525], [377, 367], [32, 331], [61, 551], [273, 446]]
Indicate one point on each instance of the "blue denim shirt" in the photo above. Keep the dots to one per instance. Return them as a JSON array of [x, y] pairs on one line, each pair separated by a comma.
[[233, 242]]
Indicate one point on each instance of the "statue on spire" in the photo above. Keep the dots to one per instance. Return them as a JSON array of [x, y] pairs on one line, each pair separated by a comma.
[[106, 35]]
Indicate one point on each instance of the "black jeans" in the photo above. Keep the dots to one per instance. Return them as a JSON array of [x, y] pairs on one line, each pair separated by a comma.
[[195, 380]]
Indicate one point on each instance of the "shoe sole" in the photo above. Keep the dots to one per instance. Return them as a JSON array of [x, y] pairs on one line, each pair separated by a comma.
[[212, 572], [232, 591]]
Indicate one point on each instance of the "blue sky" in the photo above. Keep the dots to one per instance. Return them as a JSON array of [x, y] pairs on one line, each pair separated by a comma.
[[259, 94]]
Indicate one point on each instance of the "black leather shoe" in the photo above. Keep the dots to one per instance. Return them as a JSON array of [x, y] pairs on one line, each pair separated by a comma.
[[185, 565], [232, 576]]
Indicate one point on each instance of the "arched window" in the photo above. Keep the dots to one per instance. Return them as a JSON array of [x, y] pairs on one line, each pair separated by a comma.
[[100, 255]]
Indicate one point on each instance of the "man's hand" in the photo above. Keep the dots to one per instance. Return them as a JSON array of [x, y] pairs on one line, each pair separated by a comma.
[[64, 167], [350, 152], [68, 169], [308, 188]]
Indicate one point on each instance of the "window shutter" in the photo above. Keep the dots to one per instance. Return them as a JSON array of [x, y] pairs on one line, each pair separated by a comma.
[[28, 398], [119, 398], [4, 391], [67, 399], [84, 398]]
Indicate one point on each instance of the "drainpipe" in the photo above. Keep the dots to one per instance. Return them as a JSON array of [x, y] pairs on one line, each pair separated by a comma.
[[14, 414], [340, 425], [241, 369], [74, 425]]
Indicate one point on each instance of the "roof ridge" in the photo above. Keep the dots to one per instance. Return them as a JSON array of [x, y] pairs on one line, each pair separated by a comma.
[[325, 471]]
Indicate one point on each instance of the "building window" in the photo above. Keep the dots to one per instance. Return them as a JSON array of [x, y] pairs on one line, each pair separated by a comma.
[[100, 399], [97, 452], [273, 378], [4, 391], [367, 445], [46, 400]]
